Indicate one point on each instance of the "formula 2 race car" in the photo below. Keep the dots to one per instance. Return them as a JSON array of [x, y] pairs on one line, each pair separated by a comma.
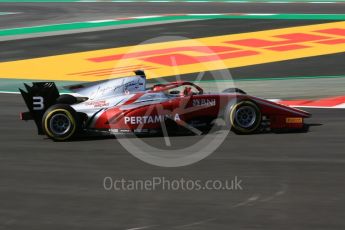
[[125, 105]]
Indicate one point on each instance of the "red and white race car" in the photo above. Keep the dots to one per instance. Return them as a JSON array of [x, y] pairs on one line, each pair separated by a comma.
[[125, 105]]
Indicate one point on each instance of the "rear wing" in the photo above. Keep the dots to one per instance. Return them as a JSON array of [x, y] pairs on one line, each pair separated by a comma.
[[38, 98]]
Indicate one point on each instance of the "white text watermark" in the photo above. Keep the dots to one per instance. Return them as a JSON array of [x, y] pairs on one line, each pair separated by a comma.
[[167, 184]]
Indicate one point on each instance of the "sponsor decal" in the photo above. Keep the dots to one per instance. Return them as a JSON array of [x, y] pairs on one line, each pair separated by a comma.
[[204, 102], [141, 130], [114, 130], [136, 120], [128, 86], [97, 104], [294, 120]]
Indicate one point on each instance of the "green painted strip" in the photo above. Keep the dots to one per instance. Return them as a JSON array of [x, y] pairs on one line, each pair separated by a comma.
[[12, 85], [106, 23], [274, 78], [40, 1], [261, 1]]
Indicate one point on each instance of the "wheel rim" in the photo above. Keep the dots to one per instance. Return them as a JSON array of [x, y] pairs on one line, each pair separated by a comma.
[[245, 116], [60, 124]]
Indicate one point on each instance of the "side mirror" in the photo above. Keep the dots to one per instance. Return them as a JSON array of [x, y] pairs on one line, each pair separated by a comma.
[[140, 73]]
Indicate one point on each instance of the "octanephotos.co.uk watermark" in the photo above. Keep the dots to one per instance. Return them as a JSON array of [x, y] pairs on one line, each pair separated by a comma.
[[168, 184]]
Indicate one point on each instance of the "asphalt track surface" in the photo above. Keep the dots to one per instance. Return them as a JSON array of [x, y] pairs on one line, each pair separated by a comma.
[[289, 181]]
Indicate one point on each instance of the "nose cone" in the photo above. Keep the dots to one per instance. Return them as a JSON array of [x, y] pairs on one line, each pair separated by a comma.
[[301, 113]]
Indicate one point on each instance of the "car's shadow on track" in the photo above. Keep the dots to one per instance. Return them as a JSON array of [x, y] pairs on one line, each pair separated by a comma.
[[122, 136], [305, 129], [94, 137]]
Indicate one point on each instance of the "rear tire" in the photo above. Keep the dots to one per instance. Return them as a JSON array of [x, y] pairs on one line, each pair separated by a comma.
[[60, 122], [244, 117]]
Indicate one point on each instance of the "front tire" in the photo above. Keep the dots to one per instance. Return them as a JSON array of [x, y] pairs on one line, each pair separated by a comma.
[[243, 117], [60, 122]]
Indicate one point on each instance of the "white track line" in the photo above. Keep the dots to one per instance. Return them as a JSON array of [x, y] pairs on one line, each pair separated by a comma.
[[143, 227], [8, 13], [100, 21]]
